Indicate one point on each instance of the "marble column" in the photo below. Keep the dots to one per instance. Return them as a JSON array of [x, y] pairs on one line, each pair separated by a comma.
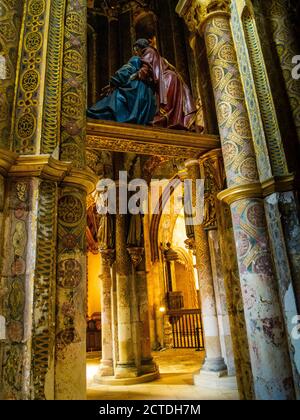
[[214, 361], [106, 366], [271, 367], [287, 48]]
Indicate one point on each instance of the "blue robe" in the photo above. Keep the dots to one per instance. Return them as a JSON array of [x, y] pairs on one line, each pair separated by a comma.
[[132, 101]]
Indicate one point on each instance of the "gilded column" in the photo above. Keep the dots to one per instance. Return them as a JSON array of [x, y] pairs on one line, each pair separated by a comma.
[[70, 369], [268, 347], [286, 45], [106, 366], [10, 24], [214, 361]]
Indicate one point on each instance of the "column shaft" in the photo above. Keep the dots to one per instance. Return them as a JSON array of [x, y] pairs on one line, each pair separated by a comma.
[[106, 366], [214, 361], [126, 365]]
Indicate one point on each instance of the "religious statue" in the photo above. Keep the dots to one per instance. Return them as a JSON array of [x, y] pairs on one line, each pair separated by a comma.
[[127, 99], [105, 233], [176, 106]]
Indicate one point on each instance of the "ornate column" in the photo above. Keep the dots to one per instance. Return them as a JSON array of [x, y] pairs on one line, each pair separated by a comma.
[[10, 22], [214, 361], [271, 366], [106, 366], [286, 45], [70, 364], [284, 232]]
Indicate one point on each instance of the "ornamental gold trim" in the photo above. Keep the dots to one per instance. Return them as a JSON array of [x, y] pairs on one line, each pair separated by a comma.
[[117, 137], [85, 180], [43, 166], [257, 190]]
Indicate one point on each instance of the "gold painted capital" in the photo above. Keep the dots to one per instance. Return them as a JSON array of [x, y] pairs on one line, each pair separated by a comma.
[[7, 159], [43, 166], [83, 179], [242, 192], [257, 190], [46, 167]]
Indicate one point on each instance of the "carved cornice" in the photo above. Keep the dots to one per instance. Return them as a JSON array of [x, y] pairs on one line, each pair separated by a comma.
[[7, 159], [257, 190], [147, 140]]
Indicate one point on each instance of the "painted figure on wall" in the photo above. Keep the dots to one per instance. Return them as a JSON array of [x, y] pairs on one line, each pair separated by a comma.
[[127, 99], [176, 106]]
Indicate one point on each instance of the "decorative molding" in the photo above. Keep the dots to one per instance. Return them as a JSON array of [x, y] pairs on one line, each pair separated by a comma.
[[257, 190], [148, 141], [46, 167], [43, 166]]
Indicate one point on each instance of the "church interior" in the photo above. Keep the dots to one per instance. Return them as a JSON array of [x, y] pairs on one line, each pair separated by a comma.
[[145, 305]]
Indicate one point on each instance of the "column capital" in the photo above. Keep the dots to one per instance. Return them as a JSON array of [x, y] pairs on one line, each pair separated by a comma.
[[191, 163], [136, 255], [196, 12], [108, 256]]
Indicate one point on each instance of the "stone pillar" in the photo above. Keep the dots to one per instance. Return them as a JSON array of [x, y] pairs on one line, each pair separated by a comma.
[[126, 364], [214, 361], [147, 366], [106, 366], [271, 366], [286, 45], [222, 311]]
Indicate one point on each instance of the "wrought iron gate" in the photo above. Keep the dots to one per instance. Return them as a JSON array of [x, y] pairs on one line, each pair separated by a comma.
[[186, 329]]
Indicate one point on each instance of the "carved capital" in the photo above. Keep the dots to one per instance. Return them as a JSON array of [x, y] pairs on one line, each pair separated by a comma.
[[190, 244], [213, 173], [195, 12], [108, 256], [136, 255]]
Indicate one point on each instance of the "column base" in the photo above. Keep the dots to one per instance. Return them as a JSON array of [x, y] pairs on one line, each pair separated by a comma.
[[105, 369], [112, 380], [215, 364], [126, 371], [148, 366], [215, 380]]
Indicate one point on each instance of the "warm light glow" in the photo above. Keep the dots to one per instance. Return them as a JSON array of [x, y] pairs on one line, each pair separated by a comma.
[[162, 309], [91, 370]]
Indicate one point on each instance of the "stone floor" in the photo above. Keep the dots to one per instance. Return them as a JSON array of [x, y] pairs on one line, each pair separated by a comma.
[[177, 368]]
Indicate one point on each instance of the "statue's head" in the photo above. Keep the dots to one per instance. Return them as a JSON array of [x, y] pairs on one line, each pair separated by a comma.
[[140, 45]]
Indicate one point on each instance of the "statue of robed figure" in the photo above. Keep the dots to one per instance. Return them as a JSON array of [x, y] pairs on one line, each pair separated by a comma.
[[127, 99], [177, 109]]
